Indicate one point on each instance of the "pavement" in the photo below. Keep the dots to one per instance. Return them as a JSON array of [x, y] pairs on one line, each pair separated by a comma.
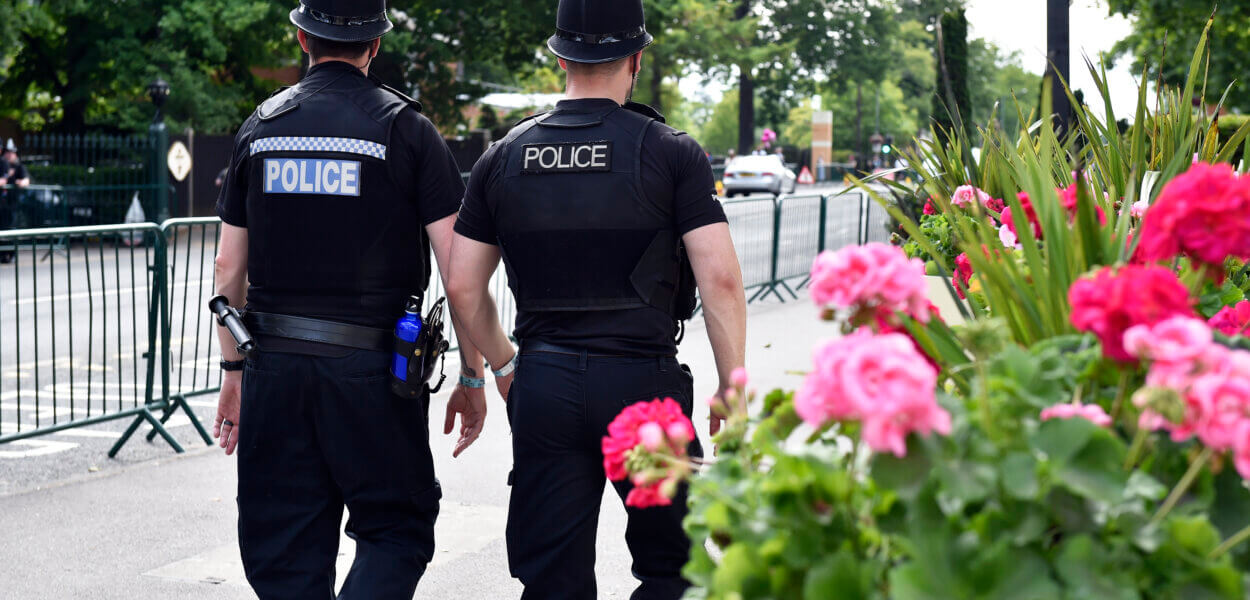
[[152, 524]]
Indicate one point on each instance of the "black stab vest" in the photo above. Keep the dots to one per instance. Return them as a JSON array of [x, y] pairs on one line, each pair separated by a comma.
[[330, 234], [576, 230]]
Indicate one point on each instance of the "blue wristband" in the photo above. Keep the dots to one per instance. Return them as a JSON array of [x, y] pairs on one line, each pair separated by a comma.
[[473, 382]]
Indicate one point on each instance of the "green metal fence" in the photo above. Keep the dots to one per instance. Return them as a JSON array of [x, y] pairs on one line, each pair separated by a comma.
[[108, 322], [79, 315], [100, 175]]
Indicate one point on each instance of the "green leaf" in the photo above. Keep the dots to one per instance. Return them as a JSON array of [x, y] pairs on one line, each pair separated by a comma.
[[1083, 566], [1097, 470], [1061, 439], [963, 483], [1193, 534], [1018, 475], [838, 576], [907, 475]]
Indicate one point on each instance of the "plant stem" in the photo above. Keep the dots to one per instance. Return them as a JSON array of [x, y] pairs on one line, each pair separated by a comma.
[[1182, 486], [1139, 441], [1230, 543], [1120, 392]]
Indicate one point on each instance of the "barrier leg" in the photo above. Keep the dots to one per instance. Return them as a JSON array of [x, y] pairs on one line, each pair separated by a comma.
[[146, 415], [793, 295], [166, 413], [195, 421]]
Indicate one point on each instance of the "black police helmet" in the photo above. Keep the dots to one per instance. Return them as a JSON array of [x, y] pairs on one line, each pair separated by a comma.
[[599, 31], [342, 20]]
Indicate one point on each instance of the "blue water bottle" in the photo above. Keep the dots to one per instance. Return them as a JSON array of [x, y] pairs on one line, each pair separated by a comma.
[[407, 329]]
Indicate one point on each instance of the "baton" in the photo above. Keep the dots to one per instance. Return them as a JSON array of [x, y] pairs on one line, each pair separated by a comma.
[[228, 317]]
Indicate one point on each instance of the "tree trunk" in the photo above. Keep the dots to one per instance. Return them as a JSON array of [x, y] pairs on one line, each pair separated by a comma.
[[657, 85], [859, 127], [746, 111]]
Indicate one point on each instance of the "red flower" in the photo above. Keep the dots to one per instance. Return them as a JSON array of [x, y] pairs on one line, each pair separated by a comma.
[[1232, 320], [625, 435], [963, 274], [1009, 220], [928, 207], [1203, 213], [1112, 301], [1068, 198], [995, 205]]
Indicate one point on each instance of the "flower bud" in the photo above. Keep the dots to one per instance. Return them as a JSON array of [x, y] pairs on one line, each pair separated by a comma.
[[678, 434], [739, 377], [668, 487], [651, 435]]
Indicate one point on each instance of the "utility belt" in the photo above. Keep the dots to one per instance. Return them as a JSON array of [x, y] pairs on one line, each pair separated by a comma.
[[423, 356]]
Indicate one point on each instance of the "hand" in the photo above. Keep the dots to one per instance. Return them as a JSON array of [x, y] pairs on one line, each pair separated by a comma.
[[721, 409], [226, 425], [504, 385], [470, 403]]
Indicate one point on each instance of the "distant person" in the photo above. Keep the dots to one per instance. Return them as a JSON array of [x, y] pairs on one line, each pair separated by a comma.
[[12, 171]]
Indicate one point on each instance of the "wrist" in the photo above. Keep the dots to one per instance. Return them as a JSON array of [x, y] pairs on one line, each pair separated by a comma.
[[473, 383]]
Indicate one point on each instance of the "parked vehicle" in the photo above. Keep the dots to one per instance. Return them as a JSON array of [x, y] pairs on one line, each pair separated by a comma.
[[747, 174]]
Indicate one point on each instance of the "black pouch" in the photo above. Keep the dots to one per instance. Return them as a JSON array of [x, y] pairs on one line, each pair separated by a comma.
[[425, 355]]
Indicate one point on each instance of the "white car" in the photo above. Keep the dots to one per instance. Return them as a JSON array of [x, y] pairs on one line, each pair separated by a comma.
[[747, 174]]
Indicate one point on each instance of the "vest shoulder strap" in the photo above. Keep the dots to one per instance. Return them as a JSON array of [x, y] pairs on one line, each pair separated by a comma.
[[281, 102], [409, 100]]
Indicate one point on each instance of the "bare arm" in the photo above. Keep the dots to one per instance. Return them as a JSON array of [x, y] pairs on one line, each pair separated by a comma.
[[472, 264], [230, 269], [716, 272], [441, 233]]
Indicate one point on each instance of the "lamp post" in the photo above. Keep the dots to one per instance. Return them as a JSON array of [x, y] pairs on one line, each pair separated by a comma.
[[1057, 52], [158, 136]]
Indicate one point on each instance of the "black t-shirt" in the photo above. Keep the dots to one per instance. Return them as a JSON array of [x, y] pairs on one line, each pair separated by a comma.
[[11, 172], [675, 171]]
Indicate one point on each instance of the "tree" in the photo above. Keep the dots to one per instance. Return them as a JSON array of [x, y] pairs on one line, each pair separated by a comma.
[[996, 77], [1179, 23], [720, 133], [951, 106]]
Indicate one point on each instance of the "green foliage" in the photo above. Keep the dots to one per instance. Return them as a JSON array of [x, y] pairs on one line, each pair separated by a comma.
[[720, 133], [951, 104], [1164, 29]]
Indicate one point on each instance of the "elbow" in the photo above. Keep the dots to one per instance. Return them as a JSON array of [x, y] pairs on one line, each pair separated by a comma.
[[459, 292], [726, 284], [229, 270]]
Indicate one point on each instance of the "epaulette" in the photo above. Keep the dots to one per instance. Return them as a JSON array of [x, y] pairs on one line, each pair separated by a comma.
[[278, 104], [413, 102], [644, 110]]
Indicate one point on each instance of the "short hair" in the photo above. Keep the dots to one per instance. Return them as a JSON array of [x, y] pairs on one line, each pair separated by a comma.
[[605, 69], [323, 48]]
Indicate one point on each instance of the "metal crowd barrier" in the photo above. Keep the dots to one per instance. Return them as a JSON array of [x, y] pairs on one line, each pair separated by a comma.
[[113, 325], [78, 329]]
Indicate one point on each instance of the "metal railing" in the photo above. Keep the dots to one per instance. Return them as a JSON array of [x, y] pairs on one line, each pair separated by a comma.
[[108, 322]]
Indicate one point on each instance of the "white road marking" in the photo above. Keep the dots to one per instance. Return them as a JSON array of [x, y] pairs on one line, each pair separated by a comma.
[[38, 448]]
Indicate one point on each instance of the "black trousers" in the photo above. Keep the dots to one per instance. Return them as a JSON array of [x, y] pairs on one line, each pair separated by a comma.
[[317, 433], [560, 406]]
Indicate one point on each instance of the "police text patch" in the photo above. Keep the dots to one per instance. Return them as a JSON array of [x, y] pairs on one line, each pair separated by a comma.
[[575, 157], [312, 176]]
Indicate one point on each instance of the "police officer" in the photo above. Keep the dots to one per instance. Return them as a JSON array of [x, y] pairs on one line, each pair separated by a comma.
[[336, 191], [594, 208]]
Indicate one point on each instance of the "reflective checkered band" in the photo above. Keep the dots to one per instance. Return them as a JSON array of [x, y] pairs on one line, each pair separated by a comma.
[[319, 144]]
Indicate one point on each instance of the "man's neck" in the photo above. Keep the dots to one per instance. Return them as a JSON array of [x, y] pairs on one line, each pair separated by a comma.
[[360, 63], [578, 91]]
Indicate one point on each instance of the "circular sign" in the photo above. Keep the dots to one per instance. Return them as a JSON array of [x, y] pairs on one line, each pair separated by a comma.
[[179, 161]]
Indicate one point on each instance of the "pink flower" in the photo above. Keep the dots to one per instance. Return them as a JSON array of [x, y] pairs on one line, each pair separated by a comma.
[[1175, 340], [625, 433], [1203, 213], [1090, 412], [1007, 236], [651, 435], [1138, 210], [995, 205], [1232, 320], [1222, 401], [966, 194], [1009, 219], [1111, 302], [963, 273], [679, 433], [646, 497], [1241, 455], [879, 379], [868, 277], [739, 377], [929, 209]]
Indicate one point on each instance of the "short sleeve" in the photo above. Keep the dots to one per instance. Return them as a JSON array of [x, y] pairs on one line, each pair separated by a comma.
[[232, 200], [476, 221], [694, 194], [426, 167]]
